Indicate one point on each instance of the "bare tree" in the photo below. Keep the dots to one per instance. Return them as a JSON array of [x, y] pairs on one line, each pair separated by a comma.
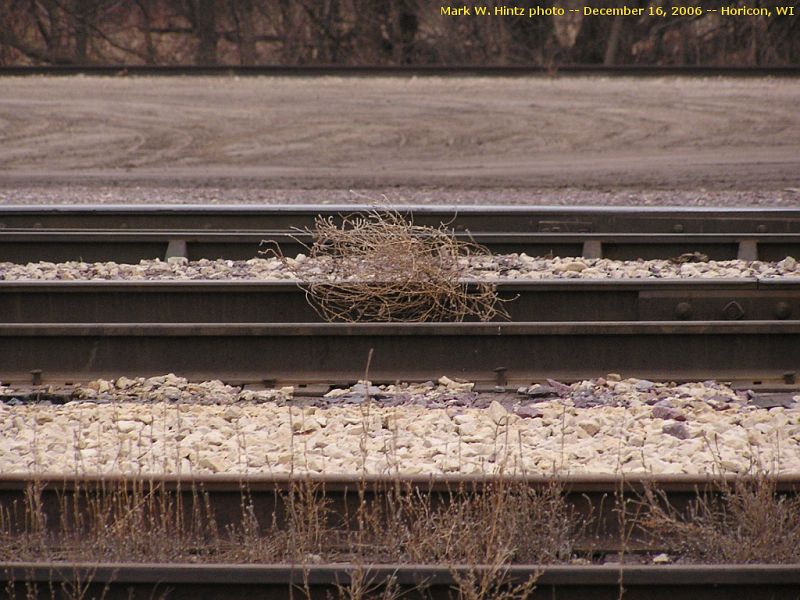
[[243, 19], [368, 32], [205, 28]]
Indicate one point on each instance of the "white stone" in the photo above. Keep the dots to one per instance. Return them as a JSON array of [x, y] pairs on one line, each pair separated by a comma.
[[215, 438], [788, 264], [662, 559], [212, 463], [589, 427], [455, 386], [127, 426], [574, 266], [498, 413]]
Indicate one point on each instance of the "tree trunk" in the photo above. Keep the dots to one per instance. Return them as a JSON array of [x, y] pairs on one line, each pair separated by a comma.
[[612, 45], [206, 28], [330, 35], [52, 33], [366, 47], [147, 29], [82, 12], [243, 11]]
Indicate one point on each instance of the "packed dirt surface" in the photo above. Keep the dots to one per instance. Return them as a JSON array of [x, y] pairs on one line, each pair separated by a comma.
[[573, 140]]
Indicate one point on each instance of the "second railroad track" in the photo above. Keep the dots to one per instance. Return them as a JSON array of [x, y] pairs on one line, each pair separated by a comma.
[[260, 331]]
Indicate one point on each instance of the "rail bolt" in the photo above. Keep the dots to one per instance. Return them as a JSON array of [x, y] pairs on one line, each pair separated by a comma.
[[683, 311], [783, 310]]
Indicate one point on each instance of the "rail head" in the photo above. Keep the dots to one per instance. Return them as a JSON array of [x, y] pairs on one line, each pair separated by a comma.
[[583, 483]]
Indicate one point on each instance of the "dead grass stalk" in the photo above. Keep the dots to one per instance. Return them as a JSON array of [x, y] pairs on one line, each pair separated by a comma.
[[748, 521]]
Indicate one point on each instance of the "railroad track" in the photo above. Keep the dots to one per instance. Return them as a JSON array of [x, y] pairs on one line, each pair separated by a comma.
[[744, 330], [597, 499], [129, 234]]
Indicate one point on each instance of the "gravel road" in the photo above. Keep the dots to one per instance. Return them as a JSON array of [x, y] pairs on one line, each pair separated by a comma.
[[571, 140]]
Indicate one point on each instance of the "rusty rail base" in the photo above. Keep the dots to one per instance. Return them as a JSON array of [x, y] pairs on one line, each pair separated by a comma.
[[555, 582], [334, 353]]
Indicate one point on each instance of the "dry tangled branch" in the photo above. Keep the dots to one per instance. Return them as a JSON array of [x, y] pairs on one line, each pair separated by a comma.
[[381, 267]]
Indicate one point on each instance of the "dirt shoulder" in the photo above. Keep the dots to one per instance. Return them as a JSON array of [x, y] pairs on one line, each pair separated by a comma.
[[280, 139]]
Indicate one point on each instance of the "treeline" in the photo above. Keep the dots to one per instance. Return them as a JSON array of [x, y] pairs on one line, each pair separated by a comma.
[[380, 32]]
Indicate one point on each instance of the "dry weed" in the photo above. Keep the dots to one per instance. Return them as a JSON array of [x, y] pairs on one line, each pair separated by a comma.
[[362, 588], [491, 583], [397, 522], [380, 267], [467, 526], [749, 521]]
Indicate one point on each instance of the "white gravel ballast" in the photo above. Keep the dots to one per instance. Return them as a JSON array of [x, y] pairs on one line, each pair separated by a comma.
[[601, 426], [496, 267]]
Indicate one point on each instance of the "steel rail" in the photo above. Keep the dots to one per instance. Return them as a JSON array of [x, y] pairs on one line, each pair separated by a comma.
[[268, 484], [213, 301], [127, 234], [486, 218], [594, 500], [405, 70], [331, 353], [556, 582]]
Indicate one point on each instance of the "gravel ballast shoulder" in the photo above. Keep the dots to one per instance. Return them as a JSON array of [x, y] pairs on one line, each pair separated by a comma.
[[607, 425], [496, 267]]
